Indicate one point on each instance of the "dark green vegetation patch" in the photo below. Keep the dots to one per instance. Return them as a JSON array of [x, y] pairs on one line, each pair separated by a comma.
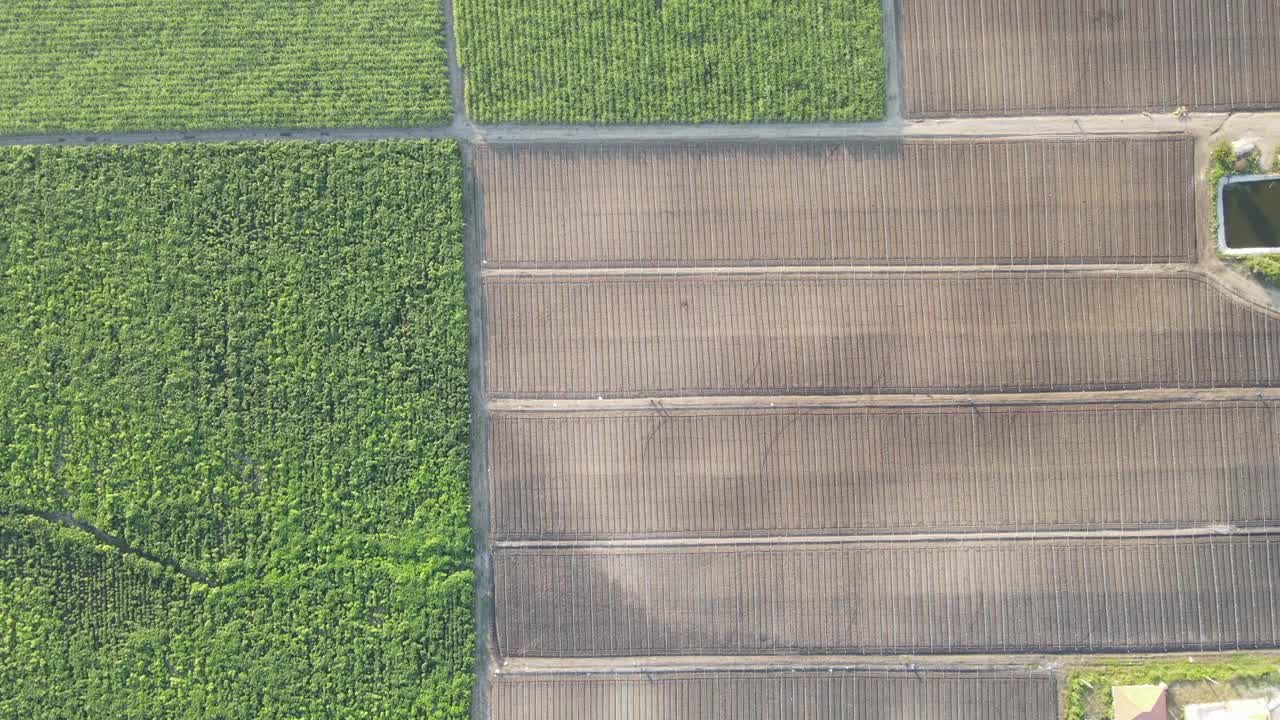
[[647, 61], [233, 433], [117, 65]]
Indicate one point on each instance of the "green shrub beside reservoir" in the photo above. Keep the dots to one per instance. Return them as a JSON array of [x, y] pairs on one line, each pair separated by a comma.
[[233, 432], [119, 65], [648, 61]]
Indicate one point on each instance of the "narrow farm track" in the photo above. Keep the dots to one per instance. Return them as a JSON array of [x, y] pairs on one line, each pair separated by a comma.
[[481, 511], [1203, 126], [748, 542], [457, 79], [485, 611], [960, 663]]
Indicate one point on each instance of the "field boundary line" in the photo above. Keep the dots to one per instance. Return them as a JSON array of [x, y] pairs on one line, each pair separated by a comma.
[[625, 668], [483, 610], [606, 545], [782, 403], [1031, 126], [1200, 125], [752, 270], [486, 640], [1048, 662]]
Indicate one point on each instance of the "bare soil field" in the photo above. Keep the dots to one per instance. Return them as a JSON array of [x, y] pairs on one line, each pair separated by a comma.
[[734, 414], [1084, 595], [994, 57], [711, 472], [768, 695], [884, 202], [644, 336]]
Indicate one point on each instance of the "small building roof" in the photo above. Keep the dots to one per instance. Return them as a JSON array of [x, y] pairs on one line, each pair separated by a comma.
[[1140, 702]]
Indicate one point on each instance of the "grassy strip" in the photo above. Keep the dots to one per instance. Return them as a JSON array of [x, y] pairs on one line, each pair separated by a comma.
[[622, 61], [119, 65], [1265, 268], [248, 364], [1085, 681]]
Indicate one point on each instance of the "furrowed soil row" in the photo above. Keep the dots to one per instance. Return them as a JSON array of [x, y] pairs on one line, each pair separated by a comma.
[[768, 695], [1171, 594], [802, 471], [868, 333], [994, 57], [888, 202]]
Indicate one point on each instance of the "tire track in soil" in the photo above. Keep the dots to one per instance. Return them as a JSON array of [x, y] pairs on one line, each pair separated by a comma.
[[120, 544]]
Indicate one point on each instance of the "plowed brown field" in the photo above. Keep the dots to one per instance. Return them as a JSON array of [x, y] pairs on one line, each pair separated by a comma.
[[941, 597], [1031, 57], [715, 473], [903, 202], [884, 333]]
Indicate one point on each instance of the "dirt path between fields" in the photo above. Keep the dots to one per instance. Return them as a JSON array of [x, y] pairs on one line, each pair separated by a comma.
[[784, 402], [752, 543], [1205, 126], [473, 260], [702, 663], [486, 638]]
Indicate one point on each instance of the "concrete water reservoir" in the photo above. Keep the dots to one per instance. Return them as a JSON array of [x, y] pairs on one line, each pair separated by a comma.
[[1249, 214]]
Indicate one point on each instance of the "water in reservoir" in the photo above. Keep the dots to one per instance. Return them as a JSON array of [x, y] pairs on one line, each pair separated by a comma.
[[1251, 213]]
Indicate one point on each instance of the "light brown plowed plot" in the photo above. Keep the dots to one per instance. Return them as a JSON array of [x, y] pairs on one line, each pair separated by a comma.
[[860, 333], [699, 473], [996, 57], [875, 202], [789, 695], [1067, 595]]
